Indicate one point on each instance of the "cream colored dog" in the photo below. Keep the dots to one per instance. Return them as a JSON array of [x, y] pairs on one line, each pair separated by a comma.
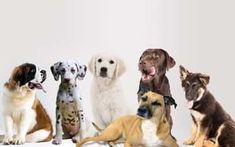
[[148, 128]]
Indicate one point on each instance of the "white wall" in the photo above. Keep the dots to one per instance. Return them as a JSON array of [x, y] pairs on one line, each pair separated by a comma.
[[198, 34]]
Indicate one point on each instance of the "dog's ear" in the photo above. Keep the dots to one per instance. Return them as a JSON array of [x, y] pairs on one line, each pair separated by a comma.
[[92, 65], [120, 68], [81, 70], [204, 79], [55, 70], [183, 73], [170, 62], [169, 101]]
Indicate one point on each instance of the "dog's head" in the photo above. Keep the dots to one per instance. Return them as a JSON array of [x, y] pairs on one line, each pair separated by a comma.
[[152, 105], [194, 85], [69, 71], [154, 62], [106, 67], [27, 74]]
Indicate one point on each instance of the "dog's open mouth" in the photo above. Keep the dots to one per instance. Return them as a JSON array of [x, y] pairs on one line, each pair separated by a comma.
[[33, 85], [148, 74]]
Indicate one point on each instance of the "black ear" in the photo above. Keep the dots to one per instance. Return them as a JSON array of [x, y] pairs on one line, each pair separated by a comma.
[[170, 101], [54, 70]]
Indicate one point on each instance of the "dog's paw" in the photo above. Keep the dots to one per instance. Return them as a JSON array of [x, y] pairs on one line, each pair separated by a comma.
[[57, 141], [76, 139], [19, 140], [189, 142], [7, 140], [207, 143]]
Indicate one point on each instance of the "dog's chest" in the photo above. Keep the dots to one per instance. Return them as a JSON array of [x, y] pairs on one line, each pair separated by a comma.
[[197, 115], [149, 130]]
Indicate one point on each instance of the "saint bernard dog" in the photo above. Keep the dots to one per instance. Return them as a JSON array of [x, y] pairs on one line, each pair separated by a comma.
[[22, 111]]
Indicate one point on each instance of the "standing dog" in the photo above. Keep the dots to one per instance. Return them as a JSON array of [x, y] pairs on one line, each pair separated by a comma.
[[69, 111], [22, 109], [153, 65], [106, 95], [212, 126], [149, 128]]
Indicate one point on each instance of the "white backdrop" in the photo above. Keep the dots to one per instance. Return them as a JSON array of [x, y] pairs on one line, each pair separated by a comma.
[[198, 34]]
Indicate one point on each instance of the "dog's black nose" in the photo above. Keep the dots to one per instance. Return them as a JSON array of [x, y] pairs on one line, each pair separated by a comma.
[[43, 71], [103, 69], [66, 80], [142, 110], [85, 68]]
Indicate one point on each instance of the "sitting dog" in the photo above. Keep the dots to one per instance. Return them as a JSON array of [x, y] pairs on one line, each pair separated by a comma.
[[153, 65], [69, 110], [212, 126], [106, 93], [22, 109], [149, 127]]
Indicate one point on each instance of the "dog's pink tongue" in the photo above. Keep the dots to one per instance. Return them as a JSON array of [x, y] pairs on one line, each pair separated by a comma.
[[190, 104]]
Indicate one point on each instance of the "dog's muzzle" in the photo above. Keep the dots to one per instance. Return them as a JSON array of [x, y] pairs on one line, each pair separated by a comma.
[[144, 112], [103, 72]]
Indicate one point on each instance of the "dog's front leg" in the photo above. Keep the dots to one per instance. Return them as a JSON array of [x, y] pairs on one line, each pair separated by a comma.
[[23, 127], [201, 136], [8, 138], [191, 139], [82, 122], [58, 136]]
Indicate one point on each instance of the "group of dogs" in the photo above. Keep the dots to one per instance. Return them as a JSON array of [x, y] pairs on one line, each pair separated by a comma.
[[150, 127]]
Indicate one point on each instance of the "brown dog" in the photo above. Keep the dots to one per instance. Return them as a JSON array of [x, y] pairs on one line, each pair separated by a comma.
[[212, 126], [148, 128], [153, 65]]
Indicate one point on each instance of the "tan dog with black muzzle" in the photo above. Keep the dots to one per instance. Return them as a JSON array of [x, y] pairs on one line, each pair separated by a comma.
[[149, 128]]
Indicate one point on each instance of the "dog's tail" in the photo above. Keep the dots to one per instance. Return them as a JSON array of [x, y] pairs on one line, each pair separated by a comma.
[[97, 128], [39, 136]]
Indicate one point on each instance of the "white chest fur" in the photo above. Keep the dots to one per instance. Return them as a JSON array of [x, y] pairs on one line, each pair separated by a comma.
[[197, 115], [149, 129]]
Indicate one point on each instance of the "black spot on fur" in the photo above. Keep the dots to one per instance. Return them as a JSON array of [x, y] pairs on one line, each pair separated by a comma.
[[58, 117]]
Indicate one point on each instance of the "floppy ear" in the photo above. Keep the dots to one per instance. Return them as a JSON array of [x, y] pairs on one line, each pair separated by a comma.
[[92, 66], [183, 73], [204, 79], [170, 62], [120, 68], [55, 70], [169, 101], [81, 70]]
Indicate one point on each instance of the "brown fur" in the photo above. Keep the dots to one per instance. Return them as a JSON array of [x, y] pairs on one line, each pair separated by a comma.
[[129, 128], [159, 83], [21, 93], [43, 120], [213, 127]]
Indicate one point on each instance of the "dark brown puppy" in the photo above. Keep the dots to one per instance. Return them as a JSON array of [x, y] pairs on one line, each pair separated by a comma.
[[212, 126], [153, 64]]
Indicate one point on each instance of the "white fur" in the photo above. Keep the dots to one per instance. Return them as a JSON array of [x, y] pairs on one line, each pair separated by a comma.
[[150, 138], [18, 112], [107, 97], [37, 136]]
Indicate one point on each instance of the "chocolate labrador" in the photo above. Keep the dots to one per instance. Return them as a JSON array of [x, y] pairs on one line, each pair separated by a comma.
[[153, 64]]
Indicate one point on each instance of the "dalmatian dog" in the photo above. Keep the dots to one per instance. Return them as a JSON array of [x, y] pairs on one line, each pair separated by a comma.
[[70, 119]]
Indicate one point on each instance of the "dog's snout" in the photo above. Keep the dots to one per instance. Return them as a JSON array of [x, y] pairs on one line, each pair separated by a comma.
[[85, 68], [43, 72], [142, 110], [142, 62], [103, 69], [66, 80]]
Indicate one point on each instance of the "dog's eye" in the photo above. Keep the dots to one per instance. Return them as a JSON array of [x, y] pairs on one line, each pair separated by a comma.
[[111, 61], [99, 60], [156, 104], [72, 70], [194, 85], [63, 70], [32, 70]]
